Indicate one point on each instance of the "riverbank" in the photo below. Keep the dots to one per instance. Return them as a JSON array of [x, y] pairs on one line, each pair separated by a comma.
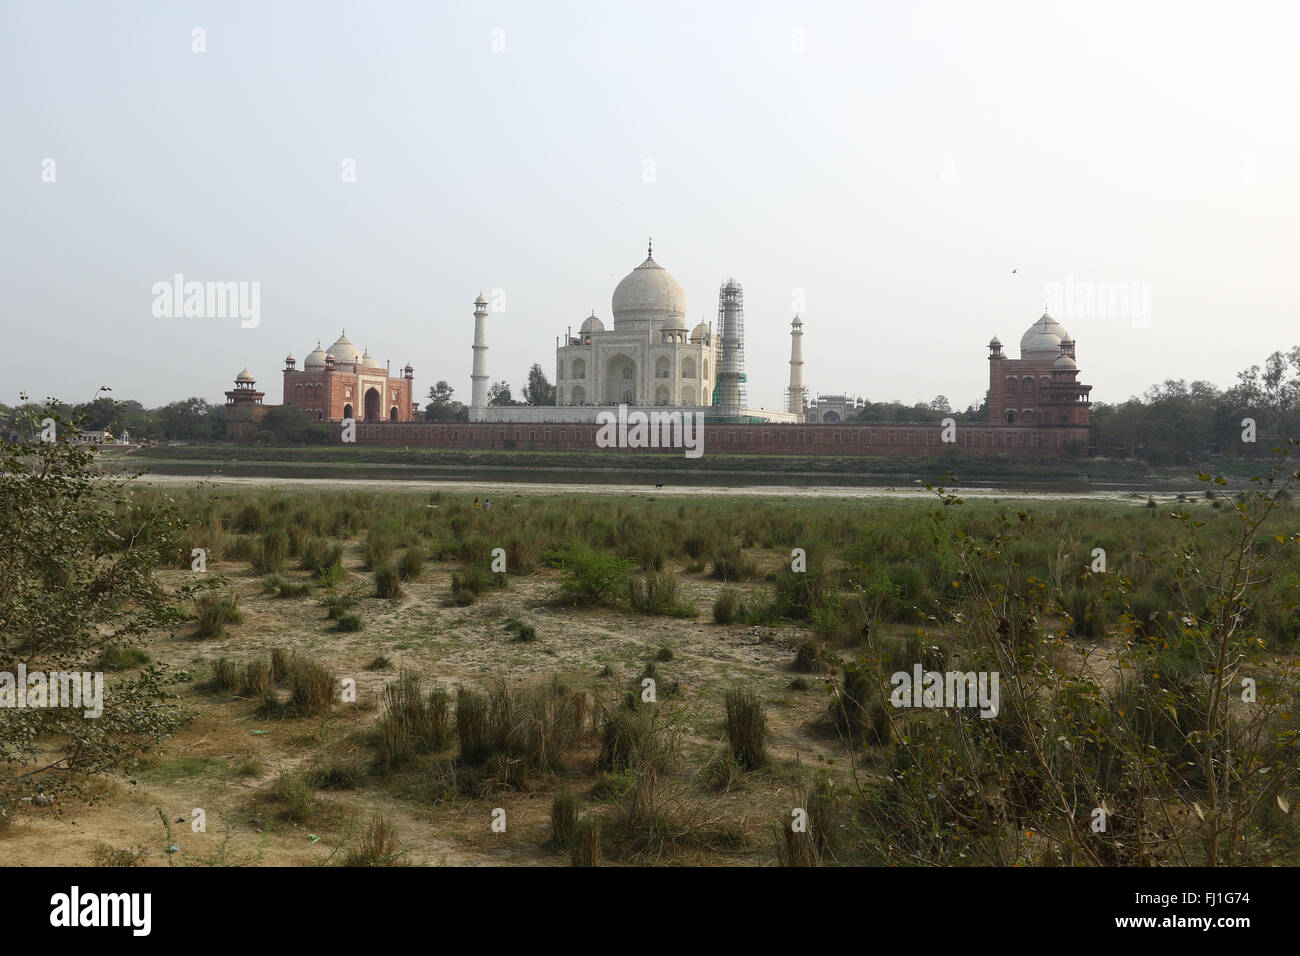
[[565, 468]]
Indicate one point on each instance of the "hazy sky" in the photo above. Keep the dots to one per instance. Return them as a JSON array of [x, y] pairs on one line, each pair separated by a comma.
[[894, 161]]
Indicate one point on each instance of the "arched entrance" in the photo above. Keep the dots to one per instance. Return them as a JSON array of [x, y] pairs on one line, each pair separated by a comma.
[[347, 411], [392, 414], [620, 380], [373, 412]]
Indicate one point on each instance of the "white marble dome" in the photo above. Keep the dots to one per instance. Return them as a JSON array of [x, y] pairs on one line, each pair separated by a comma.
[[315, 358], [592, 324], [369, 361], [700, 332], [344, 352], [244, 376], [1043, 339], [650, 293]]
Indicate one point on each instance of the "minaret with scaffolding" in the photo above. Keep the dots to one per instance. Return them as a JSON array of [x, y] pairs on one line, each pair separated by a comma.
[[729, 392]]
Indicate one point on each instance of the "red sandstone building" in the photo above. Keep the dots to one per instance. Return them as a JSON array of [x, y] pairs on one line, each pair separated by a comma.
[[1041, 387], [244, 408], [344, 383]]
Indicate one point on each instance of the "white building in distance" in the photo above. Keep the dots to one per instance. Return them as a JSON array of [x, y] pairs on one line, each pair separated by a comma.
[[647, 359]]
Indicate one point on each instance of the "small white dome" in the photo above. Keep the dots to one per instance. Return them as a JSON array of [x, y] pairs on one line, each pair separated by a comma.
[[700, 332], [369, 361], [1065, 362], [315, 358], [289, 359], [592, 324], [675, 322], [244, 376]]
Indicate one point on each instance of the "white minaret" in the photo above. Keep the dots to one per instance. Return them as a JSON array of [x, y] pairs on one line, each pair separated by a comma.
[[794, 394], [478, 395]]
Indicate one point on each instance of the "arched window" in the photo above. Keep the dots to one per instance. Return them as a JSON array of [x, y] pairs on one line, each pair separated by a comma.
[[661, 367], [1011, 418], [1012, 387], [579, 368], [688, 367], [1029, 385], [579, 395], [661, 395]]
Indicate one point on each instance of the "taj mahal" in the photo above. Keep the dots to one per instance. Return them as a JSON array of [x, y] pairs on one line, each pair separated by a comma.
[[647, 358]]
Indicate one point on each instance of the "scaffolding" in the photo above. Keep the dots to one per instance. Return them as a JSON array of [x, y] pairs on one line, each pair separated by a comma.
[[729, 390]]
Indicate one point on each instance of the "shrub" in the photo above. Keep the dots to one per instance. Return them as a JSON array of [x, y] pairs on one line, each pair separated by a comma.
[[225, 674], [858, 711], [530, 727], [215, 612], [726, 606], [339, 604], [412, 722], [294, 589], [255, 679], [119, 658], [311, 687], [387, 581], [586, 843], [467, 584], [807, 657], [730, 564], [340, 774], [280, 665], [795, 848], [590, 577], [378, 550], [377, 845], [746, 728], [411, 564], [273, 551], [564, 817], [657, 594], [350, 622], [296, 801]]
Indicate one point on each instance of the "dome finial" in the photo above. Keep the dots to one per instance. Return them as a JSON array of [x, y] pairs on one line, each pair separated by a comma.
[[650, 248]]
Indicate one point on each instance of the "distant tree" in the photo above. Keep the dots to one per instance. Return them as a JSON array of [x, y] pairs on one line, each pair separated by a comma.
[[193, 419], [940, 404], [284, 423], [538, 391], [441, 407], [499, 394]]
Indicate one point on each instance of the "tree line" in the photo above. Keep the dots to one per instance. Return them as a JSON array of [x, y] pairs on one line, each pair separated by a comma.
[[1175, 422]]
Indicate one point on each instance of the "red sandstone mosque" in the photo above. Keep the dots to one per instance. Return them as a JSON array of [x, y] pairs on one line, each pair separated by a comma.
[[344, 383]]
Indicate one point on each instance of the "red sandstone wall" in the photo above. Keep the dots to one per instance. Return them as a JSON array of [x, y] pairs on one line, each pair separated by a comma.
[[884, 440]]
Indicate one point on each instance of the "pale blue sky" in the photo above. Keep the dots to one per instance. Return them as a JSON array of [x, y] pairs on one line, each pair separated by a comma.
[[897, 170]]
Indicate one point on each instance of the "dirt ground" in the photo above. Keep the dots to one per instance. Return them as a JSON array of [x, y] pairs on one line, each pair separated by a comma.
[[225, 757]]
